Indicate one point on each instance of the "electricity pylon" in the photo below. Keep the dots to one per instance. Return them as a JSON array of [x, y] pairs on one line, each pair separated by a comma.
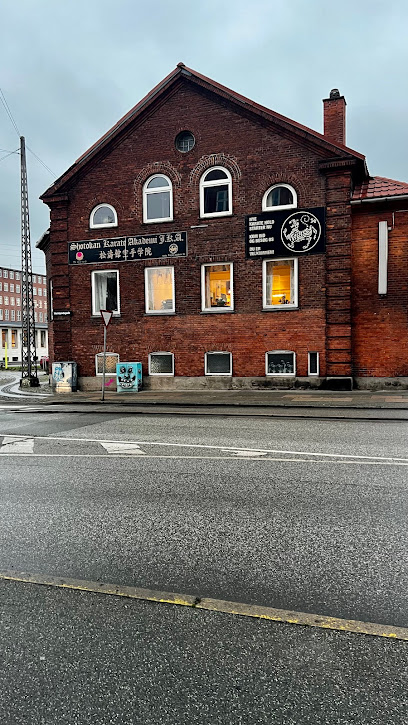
[[29, 378]]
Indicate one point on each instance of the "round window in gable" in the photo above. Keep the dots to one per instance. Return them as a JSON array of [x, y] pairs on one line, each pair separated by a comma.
[[185, 141]]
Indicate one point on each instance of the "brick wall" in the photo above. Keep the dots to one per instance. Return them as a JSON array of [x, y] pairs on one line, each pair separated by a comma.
[[380, 323], [257, 156]]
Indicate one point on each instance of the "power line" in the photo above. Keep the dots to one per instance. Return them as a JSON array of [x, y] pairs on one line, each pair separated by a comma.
[[10, 153], [8, 111], [42, 162]]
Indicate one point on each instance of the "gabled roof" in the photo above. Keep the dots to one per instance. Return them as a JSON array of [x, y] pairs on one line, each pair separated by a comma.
[[378, 187], [182, 72]]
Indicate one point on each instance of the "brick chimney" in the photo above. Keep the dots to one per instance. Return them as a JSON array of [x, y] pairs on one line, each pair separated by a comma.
[[334, 114]]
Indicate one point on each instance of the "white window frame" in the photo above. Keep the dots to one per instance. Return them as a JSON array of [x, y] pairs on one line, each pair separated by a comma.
[[282, 206], [291, 305], [157, 190], [317, 373], [219, 182], [217, 309], [159, 312], [100, 355], [51, 288], [96, 313], [166, 375], [92, 225], [280, 375], [218, 352]]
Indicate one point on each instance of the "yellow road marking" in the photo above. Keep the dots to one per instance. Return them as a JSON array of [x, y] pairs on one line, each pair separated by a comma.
[[214, 605]]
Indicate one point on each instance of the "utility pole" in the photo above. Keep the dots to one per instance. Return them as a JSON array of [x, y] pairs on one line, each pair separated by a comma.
[[29, 377]]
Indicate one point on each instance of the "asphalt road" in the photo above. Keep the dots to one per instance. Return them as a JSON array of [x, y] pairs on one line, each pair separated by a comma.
[[73, 658], [304, 515]]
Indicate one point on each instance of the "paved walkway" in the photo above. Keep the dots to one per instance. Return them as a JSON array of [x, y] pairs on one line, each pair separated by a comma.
[[356, 399]]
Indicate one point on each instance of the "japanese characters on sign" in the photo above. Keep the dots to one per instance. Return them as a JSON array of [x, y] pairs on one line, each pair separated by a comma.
[[125, 249], [285, 233]]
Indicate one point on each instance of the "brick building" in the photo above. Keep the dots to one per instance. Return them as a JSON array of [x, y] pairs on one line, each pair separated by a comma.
[[234, 246], [10, 314]]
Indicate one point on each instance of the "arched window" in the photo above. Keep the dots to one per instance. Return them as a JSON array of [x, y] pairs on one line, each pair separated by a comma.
[[158, 199], [279, 196], [216, 192], [104, 215]]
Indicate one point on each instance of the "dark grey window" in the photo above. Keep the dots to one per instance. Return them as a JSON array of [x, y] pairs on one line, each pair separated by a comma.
[[185, 141], [216, 192], [161, 363], [218, 363], [313, 363], [280, 362]]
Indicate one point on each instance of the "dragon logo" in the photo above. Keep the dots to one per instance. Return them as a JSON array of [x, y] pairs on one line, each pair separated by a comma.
[[301, 232]]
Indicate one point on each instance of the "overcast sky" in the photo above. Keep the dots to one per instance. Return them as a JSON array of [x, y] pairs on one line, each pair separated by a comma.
[[70, 69]]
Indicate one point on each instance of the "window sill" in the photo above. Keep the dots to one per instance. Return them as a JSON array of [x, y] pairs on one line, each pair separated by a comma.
[[216, 215], [115, 316], [103, 226], [157, 221], [280, 308], [216, 310], [159, 314]]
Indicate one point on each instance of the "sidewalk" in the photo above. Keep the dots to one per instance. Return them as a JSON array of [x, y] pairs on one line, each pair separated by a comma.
[[241, 399], [238, 402]]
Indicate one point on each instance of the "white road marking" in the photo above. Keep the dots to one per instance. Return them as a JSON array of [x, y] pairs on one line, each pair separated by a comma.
[[232, 449], [17, 444], [129, 448], [244, 453]]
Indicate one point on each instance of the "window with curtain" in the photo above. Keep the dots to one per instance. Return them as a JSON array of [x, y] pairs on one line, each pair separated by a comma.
[[217, 288], [280, 284], [159, 290], [105, 291]]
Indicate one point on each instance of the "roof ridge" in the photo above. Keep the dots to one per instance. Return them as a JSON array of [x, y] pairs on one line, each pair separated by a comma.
[[179, 71]]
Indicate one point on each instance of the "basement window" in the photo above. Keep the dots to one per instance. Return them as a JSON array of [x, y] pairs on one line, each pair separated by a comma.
[[280, 363], [161, 363], [218, 363], [112, 358], [313, 363]]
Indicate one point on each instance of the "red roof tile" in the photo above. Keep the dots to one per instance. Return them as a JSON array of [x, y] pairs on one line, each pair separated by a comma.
[[378, 187]]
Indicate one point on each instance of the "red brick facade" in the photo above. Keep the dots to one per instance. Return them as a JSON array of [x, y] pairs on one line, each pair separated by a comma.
[[339, 310]]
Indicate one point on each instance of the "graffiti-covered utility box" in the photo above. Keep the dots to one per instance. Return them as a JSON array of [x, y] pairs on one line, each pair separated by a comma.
[[64, 377], [128, 377]]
